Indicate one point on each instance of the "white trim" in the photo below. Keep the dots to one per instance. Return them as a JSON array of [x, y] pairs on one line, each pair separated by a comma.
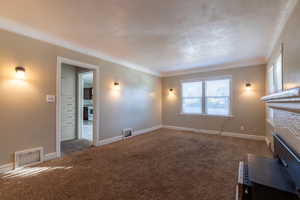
[[213, 68], [6, 167], [215, 132], [180, 128], [15, 27], [120, 137], [286, 13], [244, 136], [50, 156], [146, 130], [109, 140], [96, 99]]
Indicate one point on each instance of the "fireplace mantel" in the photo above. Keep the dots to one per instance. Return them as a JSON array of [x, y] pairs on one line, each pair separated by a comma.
[[287, 100]]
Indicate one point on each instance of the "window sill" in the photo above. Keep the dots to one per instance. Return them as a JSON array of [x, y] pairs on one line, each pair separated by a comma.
[[207, 115]]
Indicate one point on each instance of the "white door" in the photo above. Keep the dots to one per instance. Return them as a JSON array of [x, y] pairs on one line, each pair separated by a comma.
[[68, 102]]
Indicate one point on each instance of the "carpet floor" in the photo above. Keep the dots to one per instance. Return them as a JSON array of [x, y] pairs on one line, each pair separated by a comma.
[[161, 165]]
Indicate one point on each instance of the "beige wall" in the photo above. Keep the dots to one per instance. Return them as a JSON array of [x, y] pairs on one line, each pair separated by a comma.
[[290, 38], [27, 121], [247, 109]]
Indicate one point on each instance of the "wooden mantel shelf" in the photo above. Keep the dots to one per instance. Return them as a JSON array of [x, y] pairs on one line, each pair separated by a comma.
[[287, 100]]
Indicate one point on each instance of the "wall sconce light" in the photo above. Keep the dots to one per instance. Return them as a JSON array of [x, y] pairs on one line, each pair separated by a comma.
[[20, 72], [248, 86], [171, 91], [117, 85]]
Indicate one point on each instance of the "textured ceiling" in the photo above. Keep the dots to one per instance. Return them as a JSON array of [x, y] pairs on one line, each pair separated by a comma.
[[159, 35]]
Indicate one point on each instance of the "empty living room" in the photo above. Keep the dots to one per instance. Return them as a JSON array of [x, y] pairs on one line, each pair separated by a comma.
[[150, 100]]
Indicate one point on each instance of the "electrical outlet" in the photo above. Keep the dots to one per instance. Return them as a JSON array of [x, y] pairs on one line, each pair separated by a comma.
[[50, 98]]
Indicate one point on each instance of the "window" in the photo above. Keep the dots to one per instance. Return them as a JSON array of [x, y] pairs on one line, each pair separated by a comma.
[[275, 80], [211, 97], [192, 97], [217, 97], [278, 73], [271, 80]]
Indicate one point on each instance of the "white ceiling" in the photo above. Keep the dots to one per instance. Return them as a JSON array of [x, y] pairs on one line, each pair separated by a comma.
[[163, 36]]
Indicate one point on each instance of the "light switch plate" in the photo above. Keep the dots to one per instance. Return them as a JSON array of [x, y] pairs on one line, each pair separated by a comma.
[[50, 98]]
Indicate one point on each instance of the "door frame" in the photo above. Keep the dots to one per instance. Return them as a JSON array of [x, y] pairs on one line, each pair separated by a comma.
[[80, 101], [96, 99]]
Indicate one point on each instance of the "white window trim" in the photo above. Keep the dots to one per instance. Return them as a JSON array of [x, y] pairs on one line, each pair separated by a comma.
[[204, 79], [277, 86]]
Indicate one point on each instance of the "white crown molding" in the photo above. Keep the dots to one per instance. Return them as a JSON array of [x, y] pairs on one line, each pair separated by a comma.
[[286, 13], [20, 29], [214, 68]]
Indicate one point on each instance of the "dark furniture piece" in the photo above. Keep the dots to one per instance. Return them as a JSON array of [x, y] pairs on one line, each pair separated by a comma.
[[270, 178], [85, 113], [88, 93]]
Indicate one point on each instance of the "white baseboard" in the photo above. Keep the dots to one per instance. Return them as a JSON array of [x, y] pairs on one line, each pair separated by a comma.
[[214, 132], [180, 128], [120, 137], [6, 167], [50, 156], [244, 136], [10, 166], [147, 130], [109, 140]]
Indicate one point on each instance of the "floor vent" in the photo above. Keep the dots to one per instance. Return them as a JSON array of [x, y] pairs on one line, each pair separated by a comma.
[[29, 157], [127, 132]]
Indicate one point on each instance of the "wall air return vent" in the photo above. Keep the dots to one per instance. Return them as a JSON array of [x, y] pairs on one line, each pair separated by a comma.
[[127, 132], [29, 157]]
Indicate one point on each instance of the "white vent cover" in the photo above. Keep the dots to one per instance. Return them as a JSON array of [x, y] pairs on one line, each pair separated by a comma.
[[29, 157], [127, 132]]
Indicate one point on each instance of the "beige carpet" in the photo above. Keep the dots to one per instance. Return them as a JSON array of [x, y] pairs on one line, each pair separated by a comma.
[[162, 165]]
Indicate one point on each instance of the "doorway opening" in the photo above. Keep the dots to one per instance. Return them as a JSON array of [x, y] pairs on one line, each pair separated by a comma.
[[77, 125]]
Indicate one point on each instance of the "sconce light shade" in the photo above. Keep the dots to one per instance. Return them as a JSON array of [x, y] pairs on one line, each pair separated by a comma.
[[116, 85], [248, 85], [20, 72]]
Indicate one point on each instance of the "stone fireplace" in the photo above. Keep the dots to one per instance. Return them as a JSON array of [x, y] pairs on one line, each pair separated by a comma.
[[284, 117]]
